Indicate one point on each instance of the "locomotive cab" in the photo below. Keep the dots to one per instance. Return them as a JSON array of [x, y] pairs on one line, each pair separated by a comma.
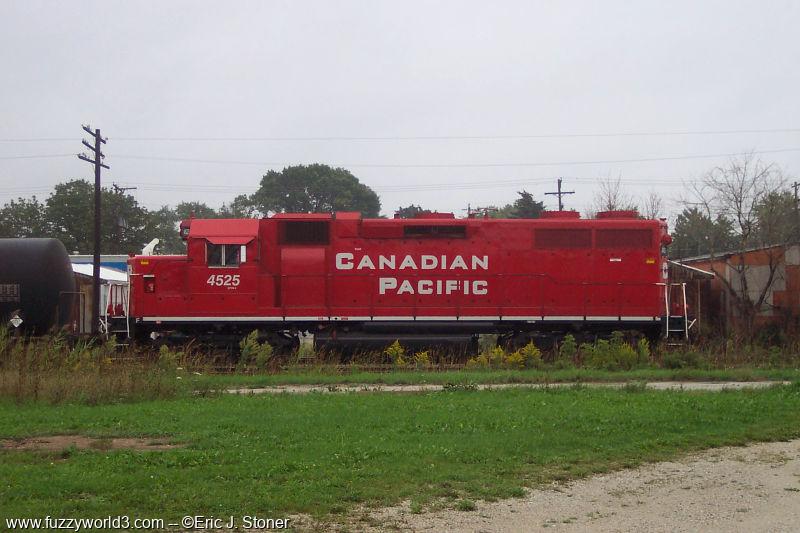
[[217, 276], [223, 266]]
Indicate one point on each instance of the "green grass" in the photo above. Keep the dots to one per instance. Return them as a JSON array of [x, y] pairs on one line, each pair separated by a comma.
[[330, 376], [277, 454]]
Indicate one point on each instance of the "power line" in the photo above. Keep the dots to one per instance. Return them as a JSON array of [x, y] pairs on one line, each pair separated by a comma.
[[363, 138], [485, 184], [453, 165], [465, 137], [37, 156]]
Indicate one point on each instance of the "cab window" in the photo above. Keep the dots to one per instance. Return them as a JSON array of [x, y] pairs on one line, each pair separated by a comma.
[[223, 255]]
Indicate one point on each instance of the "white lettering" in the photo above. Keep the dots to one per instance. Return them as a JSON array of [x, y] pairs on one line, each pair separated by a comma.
[[425, 286], [347, 261], [408, 262], [386, 283], [458, 262], [430, 287], [429, 262], [450, 285], [480, 287], [480, 262], [344, 261], [366, 262], [405, 288]]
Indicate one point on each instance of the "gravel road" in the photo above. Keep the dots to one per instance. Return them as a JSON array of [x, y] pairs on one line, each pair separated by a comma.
[[753, 488]]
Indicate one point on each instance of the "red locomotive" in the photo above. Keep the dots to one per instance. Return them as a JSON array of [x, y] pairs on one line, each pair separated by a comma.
[[436, 279]]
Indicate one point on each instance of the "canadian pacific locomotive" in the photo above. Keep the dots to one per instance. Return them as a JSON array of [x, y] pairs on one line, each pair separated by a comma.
[[434, 280]]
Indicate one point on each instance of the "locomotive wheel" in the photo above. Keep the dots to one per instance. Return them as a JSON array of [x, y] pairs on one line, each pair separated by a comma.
[[283, 343]]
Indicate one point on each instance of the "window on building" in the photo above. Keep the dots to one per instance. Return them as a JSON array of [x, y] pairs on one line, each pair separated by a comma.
[[223, 255]]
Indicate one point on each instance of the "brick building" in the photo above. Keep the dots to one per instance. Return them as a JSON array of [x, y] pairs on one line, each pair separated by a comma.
[[770, 276]]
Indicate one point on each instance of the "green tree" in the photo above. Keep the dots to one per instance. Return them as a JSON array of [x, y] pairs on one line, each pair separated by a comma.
[[526, 207], [70, 217], [241, 207], [523, 207], [776, 218], [69, 213], [163, 225], [411, 211], [23, 218], [507, 211], [314, 188], [186, 210], [696, 233]]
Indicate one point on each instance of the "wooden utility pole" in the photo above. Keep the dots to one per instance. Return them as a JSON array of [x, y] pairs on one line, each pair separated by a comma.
[[560, 193], [121, 190], [796, 232], [98, 164]]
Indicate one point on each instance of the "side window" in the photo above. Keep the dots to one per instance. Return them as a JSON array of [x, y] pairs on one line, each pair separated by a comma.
[[231, 252], [214, 254], [223, 255]]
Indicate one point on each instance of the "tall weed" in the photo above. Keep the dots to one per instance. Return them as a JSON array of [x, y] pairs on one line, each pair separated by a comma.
[[54, 369]]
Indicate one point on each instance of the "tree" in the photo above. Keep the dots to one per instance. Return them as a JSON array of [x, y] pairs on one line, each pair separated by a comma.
[[612, 197], [185, 210], [70, 217], [697, 234], [523, 207], [163, 225], [411, 211], [777, 218], [652, 206], [526, 207], [241, 207], [69, 213], [744, 192], [23, 218], [314, 188]]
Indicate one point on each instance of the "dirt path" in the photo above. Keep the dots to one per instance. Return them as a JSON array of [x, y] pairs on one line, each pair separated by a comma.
[[753, 488], [375, 387]]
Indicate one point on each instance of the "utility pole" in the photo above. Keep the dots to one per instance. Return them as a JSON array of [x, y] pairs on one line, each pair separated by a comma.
[[98, 164], [120, 190], [795, 186], [560, 193]]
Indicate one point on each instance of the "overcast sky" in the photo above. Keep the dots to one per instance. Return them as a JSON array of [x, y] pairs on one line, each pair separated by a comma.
[[530, 82]]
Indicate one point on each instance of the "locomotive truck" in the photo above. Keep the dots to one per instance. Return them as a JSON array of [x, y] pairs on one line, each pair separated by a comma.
[[434, 280]]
